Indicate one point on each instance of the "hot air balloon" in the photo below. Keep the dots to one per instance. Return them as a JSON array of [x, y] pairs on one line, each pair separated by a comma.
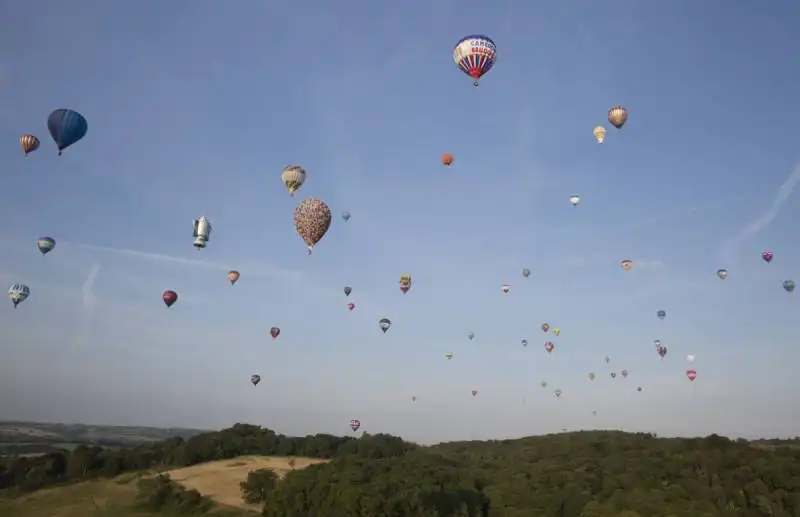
[[691, 374], [767, 256], [545, 327], [275, 332], [543, 384], [347, 291], [549, 346], [617, 116], [233, 276], [385, 324], [624, 374], [405, 283], [293, 177], [355, 425], [722, 273], [599, 133], [475, 55], [413, 399], [662, 351], [201, 232], [471, 335], [169, 297], [312, 218], [788, 285], [661, 314], [607, 359], [690, 358], [29, 143], [591, 376], [526, 272], [346, 216], [638, 388], [505, 288], [18, 293], [474, 392], [657, 343], [45, 244], [66, 127], [557, 393], [255, 379], [574, 200], [351, 306], [626, 265], [524, 342], [557, 331], [449, 355], [447, 159], [613, 375]]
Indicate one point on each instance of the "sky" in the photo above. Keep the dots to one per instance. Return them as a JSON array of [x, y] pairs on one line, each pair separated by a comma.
[[195, 108]]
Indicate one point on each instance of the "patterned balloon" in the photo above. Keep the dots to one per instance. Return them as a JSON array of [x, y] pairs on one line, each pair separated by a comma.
[[29, 143], [312, 218], [617, 116], [475, 55]]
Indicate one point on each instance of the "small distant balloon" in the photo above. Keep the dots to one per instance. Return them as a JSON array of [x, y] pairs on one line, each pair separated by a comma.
[[447, 159], [169, 297], [626, 265], [691, 374], [293, 177], [347, 291], [574, 200], [545, 327], [617, 116], [355, 425], [662, 314], [255, 379], [385, 324], [767, 256], [526, 272], [722, 273], [557, 331], [613, 375], [413, 399], [66, 127], [275, 332], [690, 358], [233, 276], [351, 306], [346, 216], [549, 346], [29, 143], [599, 133], [639, 388], [624, 373], [18, 293], [45, 244], [607, 359], [449, 355], [543, 384], [524, 342], [557, 393], [505, 288], [789, 285], [591, 376], [471, 335]]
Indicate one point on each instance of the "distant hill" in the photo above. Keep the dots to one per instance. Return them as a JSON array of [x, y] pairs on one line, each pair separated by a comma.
[[19, 437]]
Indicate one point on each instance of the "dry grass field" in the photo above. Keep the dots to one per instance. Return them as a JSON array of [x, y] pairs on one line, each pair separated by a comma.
[[220, 480]]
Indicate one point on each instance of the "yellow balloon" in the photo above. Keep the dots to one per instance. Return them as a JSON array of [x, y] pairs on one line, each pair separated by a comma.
[[599, 133]]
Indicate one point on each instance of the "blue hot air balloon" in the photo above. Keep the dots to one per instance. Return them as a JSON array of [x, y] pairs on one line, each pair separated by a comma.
[[66, 127]]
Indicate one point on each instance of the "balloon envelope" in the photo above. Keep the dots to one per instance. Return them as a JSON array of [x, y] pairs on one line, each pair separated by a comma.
[[169, 297], [66, 127], [233, 276], [45, 244]]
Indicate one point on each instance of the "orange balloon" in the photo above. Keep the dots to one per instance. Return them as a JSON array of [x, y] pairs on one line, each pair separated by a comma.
[[233, 276], [447, 159]]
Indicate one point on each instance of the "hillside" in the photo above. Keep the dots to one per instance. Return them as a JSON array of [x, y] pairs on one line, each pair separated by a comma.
[[583, 474]]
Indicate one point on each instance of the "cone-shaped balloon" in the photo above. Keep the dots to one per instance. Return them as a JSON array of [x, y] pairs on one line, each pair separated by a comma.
[[557, 331], [767, 256], [557, 393], [599, 133], [293, 177], [722, 273], [474, 392], [385, 324], [788, 285], [447, 160], [471, 335], [346, 216], [661, 314], [274, 332], [312, 218], [45, 244], [347, 291], [233, 276], [574, 200], [505, 288], [255, 379], [591, 376], [29, 143], [613, 375], [691, 374], [66, 127], [169, 297], [617, 116]]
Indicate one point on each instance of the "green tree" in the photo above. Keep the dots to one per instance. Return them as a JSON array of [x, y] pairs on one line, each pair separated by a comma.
[[258, 486]]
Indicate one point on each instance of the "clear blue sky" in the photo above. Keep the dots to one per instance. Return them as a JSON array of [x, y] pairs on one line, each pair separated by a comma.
[[194, 109]]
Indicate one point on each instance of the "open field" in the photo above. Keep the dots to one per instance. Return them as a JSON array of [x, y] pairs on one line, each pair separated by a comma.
[[220, 480]]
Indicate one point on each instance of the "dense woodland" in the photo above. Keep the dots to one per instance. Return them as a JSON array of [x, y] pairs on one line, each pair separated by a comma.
[[584, 474]]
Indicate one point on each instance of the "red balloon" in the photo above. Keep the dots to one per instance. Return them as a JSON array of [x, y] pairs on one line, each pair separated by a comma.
[[274, 332], [169, 297]]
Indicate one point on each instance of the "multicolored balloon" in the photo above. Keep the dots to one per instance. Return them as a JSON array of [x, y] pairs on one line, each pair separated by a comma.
[[45, 244], [385, 324], [18, 293], [169, 297], [626, 265], [233, 276], [691, 374], [557, 331], [545, 327], [355, 425], [293, 177], [275, 332], [767, 256], [312, 218], [722, 273], [475, 55], [29, 143], [617, 116], [447, 159], [66, 128], [549, 346], [351, 306], [599, 133], [405, 283]]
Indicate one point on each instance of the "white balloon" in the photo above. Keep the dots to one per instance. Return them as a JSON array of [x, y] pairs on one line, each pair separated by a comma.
[[575, 200], [690, 358]]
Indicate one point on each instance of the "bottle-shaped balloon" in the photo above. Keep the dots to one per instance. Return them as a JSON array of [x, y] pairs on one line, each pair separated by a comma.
[[201, 233]]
